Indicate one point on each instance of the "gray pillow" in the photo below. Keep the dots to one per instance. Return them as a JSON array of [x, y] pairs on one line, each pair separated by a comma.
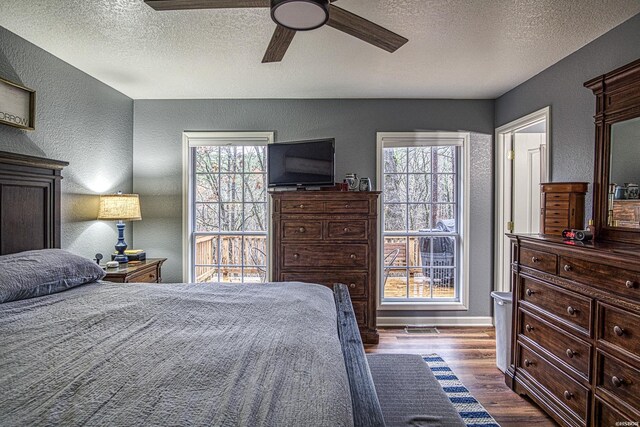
[[35, 273]]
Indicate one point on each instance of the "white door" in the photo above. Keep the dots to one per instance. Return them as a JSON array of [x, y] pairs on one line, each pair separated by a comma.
[[522, 166], [527, 164]]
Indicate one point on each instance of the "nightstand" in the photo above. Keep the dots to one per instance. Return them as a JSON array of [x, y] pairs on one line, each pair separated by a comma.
[[147, 271]]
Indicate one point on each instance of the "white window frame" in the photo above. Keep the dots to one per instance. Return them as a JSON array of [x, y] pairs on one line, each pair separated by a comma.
[[199, 139], [408, 139]]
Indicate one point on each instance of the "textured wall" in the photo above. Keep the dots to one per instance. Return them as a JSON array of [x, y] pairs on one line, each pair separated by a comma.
[[572, 105], [158, 127], [80, 120]]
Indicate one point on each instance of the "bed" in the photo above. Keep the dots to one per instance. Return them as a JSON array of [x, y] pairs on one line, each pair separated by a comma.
[[75, 350], [180, 354]]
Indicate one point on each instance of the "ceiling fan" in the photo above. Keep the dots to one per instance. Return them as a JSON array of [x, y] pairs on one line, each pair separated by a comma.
[[297, 15]]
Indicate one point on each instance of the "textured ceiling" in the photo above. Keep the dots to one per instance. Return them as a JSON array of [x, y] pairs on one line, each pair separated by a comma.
[[456, 49]]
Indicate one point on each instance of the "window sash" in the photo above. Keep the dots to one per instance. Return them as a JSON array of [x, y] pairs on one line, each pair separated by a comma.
[[423, 140], [192, 141]]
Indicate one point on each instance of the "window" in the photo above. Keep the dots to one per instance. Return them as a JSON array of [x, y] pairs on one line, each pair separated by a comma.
[[422, 218], [227, 207]]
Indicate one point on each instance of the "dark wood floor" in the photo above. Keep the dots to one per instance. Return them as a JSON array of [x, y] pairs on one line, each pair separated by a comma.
[[471, 354]]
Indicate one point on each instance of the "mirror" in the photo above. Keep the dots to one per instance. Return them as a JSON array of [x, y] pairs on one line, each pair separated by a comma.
[[616, 207], [624, 175]]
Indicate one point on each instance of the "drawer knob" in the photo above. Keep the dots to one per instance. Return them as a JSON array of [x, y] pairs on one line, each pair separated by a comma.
[[535, 259], [567, 267], [529, 292], [618, 331], [568, 395], [301, 230], [617, 382], [346, 229], [301, 206], [630, 284], [528, 363], [529, 328], [570, 353], [296, 256], [347, 205], [353, 256], [571, 311], [352, 285]]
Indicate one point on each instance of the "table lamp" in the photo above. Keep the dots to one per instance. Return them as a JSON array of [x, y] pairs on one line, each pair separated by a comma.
[[120, 207]]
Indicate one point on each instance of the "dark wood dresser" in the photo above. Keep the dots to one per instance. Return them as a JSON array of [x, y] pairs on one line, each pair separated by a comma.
[[329, 237], [576, 335], [561, 206]]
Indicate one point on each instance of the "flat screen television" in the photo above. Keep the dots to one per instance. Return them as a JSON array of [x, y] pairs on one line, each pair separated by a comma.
[[302, 163]]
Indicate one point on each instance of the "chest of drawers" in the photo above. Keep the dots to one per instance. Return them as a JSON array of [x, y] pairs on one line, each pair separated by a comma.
[[329, 237], [561, 206], [576, 335]]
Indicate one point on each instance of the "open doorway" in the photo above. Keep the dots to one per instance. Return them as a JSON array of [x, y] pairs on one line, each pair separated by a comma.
[[522, 164]]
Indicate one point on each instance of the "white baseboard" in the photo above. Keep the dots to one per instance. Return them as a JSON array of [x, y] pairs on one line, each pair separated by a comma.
[[436, 321]]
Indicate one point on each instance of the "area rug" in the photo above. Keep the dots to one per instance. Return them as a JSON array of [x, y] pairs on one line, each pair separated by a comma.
[[470, 410]]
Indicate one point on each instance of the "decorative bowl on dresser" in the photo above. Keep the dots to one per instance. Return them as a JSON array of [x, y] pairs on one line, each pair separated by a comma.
[[576, 312], [329, 237]]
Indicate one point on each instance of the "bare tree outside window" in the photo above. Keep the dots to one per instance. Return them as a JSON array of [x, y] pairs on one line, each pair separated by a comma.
[[420, 205], [230, 197]]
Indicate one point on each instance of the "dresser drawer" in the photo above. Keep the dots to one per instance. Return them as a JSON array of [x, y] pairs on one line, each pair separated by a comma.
[[556, 231], [145, 276], [619, 379], [347, 230], [608, 416], [556, 223], [609, 278], [619, 328], [556, 196], [301, 206], [360, 310], [539, 260], [558, 214], [557, 302], [301, 230], [347, 206], [557, 204], [357, 282], [562, 345], [568, 392], [298, 255]]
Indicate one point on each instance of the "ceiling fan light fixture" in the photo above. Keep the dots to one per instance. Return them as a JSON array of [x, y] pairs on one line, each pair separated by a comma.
[[300, 15]]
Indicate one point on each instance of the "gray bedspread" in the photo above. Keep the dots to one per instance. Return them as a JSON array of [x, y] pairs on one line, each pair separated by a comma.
[[174, 354]]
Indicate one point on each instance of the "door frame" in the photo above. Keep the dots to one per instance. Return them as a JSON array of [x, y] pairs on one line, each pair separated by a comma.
[[503, 185]]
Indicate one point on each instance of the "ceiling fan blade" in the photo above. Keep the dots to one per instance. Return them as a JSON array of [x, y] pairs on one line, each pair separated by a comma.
[[365, 30], [205, 4], [278, 45]]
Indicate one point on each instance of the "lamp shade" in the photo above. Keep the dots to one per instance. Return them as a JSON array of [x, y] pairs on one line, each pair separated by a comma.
[[122, 207]]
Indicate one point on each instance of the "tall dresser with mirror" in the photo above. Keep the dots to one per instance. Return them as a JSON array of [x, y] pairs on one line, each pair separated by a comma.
[[576, 335]]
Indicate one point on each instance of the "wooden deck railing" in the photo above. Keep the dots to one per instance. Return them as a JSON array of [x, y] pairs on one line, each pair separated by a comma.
[[231, 252]]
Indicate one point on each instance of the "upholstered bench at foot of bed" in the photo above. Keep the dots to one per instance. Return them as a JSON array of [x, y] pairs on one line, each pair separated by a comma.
[[409, 393]]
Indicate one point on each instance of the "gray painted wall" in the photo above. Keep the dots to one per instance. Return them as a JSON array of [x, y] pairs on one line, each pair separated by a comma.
[[572, 105], [82, 121], [157, 137]]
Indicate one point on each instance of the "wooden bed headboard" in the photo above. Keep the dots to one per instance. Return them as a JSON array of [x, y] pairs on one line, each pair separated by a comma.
[[29, 202]]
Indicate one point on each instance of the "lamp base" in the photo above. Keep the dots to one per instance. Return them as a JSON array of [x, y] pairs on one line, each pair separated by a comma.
[[121, 246]]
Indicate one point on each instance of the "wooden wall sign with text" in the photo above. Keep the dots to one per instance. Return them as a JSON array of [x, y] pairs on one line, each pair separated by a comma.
[[17, 105]]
